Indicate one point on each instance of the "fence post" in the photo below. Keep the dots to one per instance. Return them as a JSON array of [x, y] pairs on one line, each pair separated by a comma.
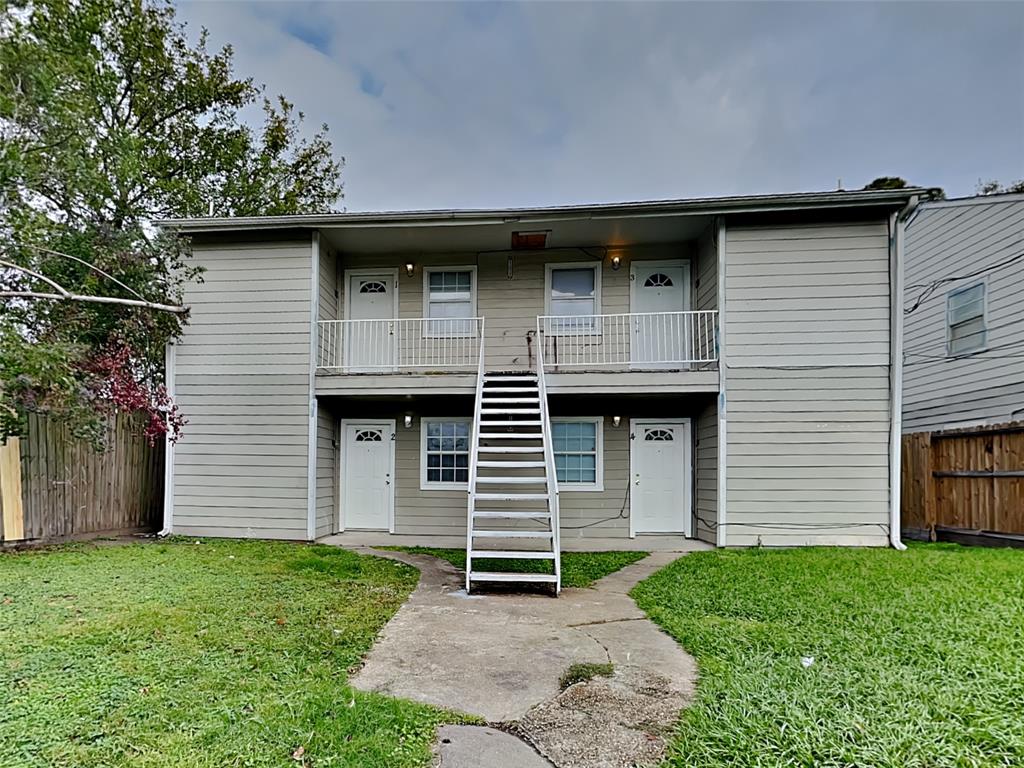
[[930, 511]]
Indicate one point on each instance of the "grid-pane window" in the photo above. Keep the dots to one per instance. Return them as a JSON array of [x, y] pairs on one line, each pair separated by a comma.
[[575, 448], [965, 315], [450, 302], [446, 451]]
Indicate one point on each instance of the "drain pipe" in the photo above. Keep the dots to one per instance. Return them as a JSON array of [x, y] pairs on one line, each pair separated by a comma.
[[897, 222]]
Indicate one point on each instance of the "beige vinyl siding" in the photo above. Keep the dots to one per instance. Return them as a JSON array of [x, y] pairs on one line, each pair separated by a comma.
[[705, 427], [242, 381], [807, 346], [443, 512], [944, 240], [511, 306], [705, 285], [330, 290]]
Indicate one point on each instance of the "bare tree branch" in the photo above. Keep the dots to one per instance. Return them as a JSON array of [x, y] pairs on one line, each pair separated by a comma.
[[90, 266], [94, 300]]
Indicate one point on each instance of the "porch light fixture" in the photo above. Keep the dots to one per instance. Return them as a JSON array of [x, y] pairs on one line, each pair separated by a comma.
[[408, 421], [409, 269], [616, 262], [616, 421]]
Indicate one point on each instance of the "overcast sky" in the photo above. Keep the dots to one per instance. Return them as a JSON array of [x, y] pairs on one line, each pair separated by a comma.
[[438, 105]]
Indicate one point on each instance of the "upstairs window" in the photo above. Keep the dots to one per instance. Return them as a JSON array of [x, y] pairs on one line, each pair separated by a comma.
[[450, 301], [573, 293], [965, 320]]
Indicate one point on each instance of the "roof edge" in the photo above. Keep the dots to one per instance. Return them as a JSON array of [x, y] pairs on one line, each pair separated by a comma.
[[455, 217]]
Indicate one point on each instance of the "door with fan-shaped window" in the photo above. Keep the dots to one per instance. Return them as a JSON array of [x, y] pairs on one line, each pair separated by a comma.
[[371, 333], [367, 469], [660, 476], [661, 329]]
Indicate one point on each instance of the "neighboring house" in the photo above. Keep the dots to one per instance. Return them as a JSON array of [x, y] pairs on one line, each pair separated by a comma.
[[711, 368], [964, 327]]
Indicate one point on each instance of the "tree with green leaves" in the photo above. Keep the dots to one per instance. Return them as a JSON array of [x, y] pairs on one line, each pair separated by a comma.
[[110, 117], [887, 182], [994, 187]]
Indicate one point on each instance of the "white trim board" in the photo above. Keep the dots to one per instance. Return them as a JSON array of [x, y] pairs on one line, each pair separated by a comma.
[[314, 332], [386, 423]]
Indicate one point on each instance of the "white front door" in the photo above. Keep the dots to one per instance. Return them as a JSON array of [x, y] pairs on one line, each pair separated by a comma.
[[660, 340], [367, 468], [370, 345], [660, 466]]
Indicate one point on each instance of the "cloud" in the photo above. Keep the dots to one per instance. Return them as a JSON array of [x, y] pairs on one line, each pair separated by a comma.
[[474, 105]]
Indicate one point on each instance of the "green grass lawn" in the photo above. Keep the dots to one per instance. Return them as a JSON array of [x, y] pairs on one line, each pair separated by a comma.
[[918, 656], [579, 569], [220, 654]]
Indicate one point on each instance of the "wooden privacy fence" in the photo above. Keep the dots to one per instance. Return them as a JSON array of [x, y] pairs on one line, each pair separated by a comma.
[[54, 487], [968, 479]]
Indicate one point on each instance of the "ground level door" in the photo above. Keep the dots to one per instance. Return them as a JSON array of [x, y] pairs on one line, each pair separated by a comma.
[[367, 475], [661, 476]]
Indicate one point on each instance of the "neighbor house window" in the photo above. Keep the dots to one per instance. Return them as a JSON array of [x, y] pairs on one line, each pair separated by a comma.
[[450, 301], [573, 292], [577, 448], [444, 452], [965, 318]]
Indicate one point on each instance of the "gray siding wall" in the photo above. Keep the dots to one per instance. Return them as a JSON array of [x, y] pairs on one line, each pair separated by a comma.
[[807, 349], [326, 471], [328, 306], [511, 306], [242, 381], [705, 458], [944, 240], [705, 284]]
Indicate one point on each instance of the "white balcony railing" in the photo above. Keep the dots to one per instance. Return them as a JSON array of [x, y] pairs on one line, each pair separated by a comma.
[[387, 346], [645, 340]]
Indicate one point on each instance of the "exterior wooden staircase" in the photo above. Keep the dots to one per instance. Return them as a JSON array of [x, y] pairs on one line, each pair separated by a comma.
[[513, 490]]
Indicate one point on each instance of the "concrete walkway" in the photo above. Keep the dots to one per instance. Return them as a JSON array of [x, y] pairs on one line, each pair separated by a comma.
[[500, 656]]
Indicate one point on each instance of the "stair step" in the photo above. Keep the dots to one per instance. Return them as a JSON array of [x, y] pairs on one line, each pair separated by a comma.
[[491, 377], [509, 449], [511, 464], [544, 578], [492, 534], [505, 411], [509, 436], [510, 423], [511, 514], [538, 480], [505, 554], [513, 390], [512, 496], [492, 400]]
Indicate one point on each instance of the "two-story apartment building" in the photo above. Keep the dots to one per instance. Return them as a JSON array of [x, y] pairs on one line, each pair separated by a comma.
[[724, 369]]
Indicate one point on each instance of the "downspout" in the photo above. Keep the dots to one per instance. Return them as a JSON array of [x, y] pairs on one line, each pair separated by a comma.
[[168, 524], [897, 223]]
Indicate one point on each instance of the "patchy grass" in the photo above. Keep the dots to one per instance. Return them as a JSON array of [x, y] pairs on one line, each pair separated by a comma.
[[221, 653], [918, 656], [579, 569], [580, 673]]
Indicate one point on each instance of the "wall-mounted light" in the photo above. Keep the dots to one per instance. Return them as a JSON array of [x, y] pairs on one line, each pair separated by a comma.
[[410, 268], [616, 421], [616, 262], [408, 421]]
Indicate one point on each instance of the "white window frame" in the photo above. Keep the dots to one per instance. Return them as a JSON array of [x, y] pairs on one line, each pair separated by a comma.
[[428, 485], [983, 284], [427, 271], [598, 422], [598, 268]]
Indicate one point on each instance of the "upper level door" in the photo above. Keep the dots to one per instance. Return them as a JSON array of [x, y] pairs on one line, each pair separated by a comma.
[[372, 301], [659, 293]]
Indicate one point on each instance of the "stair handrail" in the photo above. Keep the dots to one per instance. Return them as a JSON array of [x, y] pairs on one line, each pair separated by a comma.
[[549, 465], [474, 449]]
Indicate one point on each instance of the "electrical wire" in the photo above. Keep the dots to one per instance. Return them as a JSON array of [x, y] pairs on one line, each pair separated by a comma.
[[930, 288]]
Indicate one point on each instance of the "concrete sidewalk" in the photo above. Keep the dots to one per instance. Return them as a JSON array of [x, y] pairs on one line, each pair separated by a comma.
[[500, 656]]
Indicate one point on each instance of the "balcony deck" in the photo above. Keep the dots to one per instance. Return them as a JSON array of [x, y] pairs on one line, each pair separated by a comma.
[[667, 352]]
